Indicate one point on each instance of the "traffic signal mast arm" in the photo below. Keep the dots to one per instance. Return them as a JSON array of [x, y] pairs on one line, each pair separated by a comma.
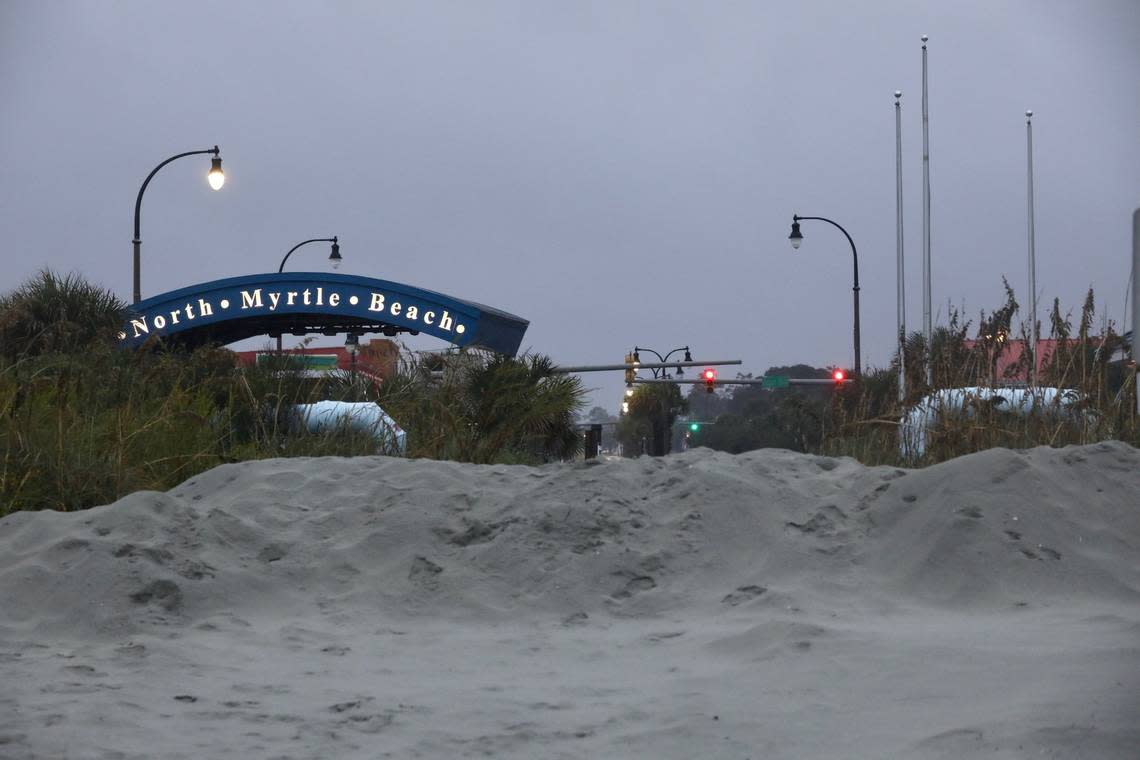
[[641, 365], [748, 381]]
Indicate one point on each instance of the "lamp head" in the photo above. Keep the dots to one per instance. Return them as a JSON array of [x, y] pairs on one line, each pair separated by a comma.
[[352, 343], [216, 177], [335, 257], [796, 237]]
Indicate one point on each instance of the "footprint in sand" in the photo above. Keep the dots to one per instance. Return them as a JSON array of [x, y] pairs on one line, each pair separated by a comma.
[[424, 573], [165, 594], [743, 594], [635, 585]]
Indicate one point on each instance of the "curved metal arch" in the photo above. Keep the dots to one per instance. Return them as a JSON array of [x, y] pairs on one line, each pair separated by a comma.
[[228, 310]]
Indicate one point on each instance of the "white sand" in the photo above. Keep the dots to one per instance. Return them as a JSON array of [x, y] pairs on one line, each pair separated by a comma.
[[768, 605]]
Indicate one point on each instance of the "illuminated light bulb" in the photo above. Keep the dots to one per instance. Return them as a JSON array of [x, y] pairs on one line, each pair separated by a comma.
[[216, 177]]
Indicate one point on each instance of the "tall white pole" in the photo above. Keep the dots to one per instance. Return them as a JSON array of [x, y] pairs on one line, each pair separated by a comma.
[[927, 323], [1136, 297], [1032, 256], [901, 281]]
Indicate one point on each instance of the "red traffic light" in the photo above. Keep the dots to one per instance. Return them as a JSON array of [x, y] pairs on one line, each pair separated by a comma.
[[838, 375], [709, 376]]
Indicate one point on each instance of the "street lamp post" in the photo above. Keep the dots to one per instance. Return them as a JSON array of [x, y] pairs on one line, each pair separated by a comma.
[[334, 257], [216, 177], [659, 432], [352, 345], [663, 359], [796, 238]]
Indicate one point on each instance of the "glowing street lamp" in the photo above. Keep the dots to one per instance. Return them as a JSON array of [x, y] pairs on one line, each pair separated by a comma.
[[216, 177]]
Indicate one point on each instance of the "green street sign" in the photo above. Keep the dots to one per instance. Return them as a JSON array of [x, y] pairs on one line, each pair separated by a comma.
[[774, 381]]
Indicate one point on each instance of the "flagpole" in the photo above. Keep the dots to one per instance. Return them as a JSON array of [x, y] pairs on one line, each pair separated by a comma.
[[927, 323], [1135, 300], [901, 281], [1032, 255]]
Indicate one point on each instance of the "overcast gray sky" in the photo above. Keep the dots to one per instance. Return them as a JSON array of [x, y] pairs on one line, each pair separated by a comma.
[[615, 172]]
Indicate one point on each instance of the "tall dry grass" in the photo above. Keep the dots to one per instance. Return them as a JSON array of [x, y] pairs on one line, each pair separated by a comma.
[[863, 420], [80, 429]]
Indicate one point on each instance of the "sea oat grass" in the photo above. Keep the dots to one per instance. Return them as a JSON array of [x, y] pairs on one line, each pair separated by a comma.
[[863, 419]]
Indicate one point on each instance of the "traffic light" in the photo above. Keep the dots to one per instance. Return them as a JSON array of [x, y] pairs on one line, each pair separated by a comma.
[[839, 375], [694, 426], [630, 370], [709, 376]]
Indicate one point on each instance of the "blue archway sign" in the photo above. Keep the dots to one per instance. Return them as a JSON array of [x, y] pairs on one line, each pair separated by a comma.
[[299, 303]]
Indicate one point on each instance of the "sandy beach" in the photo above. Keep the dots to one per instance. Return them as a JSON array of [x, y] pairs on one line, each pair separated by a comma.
[[765, 605]]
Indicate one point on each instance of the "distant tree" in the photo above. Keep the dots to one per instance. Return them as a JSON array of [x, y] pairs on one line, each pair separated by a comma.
[[750, 416], [652, 411], [599, 416], [596, 414]]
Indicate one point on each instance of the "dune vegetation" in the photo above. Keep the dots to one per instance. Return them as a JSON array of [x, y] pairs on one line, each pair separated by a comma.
[[862, 418], [1093, 364], [83, 423]]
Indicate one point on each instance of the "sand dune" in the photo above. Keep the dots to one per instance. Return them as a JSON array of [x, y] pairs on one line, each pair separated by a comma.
[[766, 605]]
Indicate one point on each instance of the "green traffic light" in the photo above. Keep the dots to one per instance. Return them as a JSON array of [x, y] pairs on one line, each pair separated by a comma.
[[694, 426]]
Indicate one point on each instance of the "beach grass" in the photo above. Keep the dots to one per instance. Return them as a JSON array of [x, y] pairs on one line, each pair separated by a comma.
[[863, 419], [79, 429]]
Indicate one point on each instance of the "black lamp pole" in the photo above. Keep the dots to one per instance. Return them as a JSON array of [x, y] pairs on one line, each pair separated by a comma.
[[334, 257], [797, 238], [217, 179], [662, 359], [660, 435], [352, 345]]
